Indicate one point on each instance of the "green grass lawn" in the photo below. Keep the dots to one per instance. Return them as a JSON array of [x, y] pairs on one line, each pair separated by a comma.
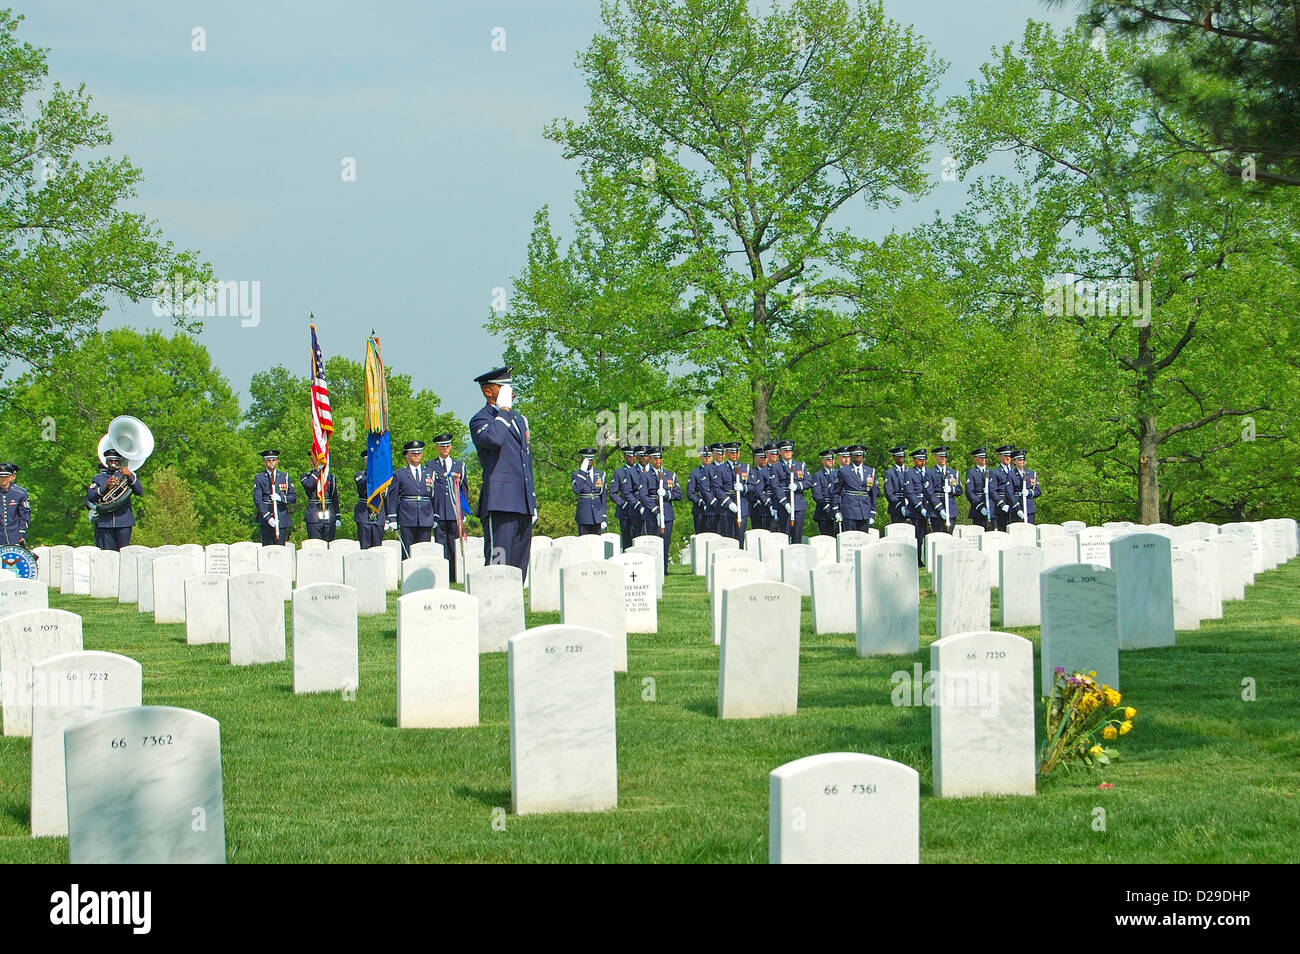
[[1205, 776]]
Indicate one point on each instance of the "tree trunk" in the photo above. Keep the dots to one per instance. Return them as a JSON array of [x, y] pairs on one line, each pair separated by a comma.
[[762, 394], [1148, 480]]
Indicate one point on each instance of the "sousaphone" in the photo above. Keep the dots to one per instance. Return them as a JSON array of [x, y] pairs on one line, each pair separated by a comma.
[[130, 438]]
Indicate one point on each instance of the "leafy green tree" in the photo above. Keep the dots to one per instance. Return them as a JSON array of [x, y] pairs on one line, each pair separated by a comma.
[[65, 245], [1230, 69], [55, 421], [167, 514], [729, 142], [1122, 205]]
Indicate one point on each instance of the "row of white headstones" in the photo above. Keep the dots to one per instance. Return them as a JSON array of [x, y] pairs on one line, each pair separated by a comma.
[[561, 687]]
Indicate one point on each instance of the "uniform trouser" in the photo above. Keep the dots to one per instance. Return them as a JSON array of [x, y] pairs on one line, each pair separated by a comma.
[[728, 527], [321, 531], [759, 518], [668, 539], [112, 538], [269, 538], [625, 527], [412, 535], [1002, 520], [826, 525], [921, 525], [793, 531], [509, 538], [370, 535], [861, 526], [979, 520], [586, 529], [444, 532], [700, 518], [938, 525]]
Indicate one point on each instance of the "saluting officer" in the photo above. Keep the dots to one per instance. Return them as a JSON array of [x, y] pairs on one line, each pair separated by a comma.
[[657, 495], [896, 487], [507, 502], [624, 503], [15, 507], [823, 487], [410, 499], [370, 526], [589, 485], [697, 492], [1022, 489], [113, 529], [448, 479], [273, 492], [322, 515], [856, 491], [920, 500], [979, 490], [943, 481], [791, 477], [1000, 489]]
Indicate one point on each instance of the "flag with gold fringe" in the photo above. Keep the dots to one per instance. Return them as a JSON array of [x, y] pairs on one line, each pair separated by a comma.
[[379, 447]]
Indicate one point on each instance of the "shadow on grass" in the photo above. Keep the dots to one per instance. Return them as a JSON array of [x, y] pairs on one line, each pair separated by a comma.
[[492, 797], [21, 812]]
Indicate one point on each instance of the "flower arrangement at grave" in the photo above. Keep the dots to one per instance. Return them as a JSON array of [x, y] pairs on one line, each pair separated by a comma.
[[1081, 717]]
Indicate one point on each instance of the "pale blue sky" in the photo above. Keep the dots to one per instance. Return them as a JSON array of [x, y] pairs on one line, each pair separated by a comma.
[[242, 146]]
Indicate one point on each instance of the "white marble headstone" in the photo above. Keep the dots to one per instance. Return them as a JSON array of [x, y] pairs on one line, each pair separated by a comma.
[[797, 561], [216, 558], [563, 756], [1058, 551], [718, 557], [155, 798], [256, 619], [319, 566], [659, 568], [888, 599], [1144, 574], [105, 573], [1185, 582], [500, 592], [844, 808], [437, 660], [1228, 559], [991, 542], [344, 545], [639, 591], [699, 546], [591, 595], [19, 596], [313, 544], [278, 560], [544, 579], [1018, 599], [425, 572], [824, 545], [962, 593], [207, 609], [834, 602], [1094, 546], [127, 573], [69, 689], [1080, 622], [725, 574], [80, 571], [848, 543], [169, 576], [144, 579], [982, 719], [758, 672], [25, 639], [363, 570], [243, 557], [325, 657]]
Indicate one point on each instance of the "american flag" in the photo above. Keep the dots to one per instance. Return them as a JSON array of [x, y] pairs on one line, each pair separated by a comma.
[[322, 423]]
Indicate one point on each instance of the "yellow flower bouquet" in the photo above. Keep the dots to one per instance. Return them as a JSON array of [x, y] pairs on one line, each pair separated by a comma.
[[1082, 715]]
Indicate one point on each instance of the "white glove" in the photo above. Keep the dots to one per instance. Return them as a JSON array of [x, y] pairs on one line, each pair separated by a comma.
[[534, 512], [786, 505], [731, 505], [270, 518], [1020, 514], [338, 522], [275, 496], [585, 465], [603, 524], [506, 397], [390, 524]]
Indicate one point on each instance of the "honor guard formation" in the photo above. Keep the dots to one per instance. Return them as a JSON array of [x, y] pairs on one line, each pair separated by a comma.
[[728, 496]]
